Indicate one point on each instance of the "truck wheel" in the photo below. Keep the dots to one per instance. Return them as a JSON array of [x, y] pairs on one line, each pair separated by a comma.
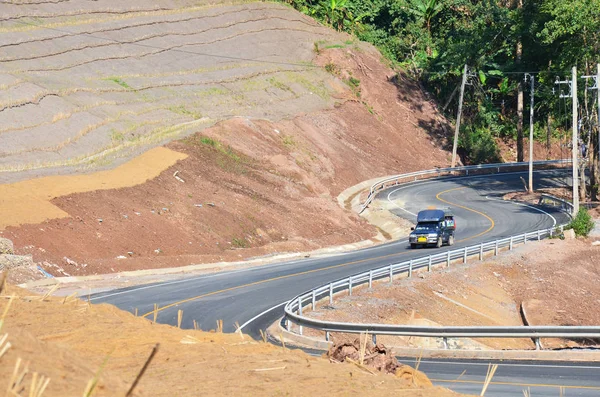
[[451, 240], [439, 243], [413, 246]]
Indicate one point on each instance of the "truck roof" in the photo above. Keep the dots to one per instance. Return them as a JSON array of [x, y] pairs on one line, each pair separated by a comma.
[[430, 215]]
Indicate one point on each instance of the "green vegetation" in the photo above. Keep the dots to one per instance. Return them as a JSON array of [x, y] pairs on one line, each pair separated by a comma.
[[120, 82], [583, 223], [500, 40], [239, 242], [227, 159], [185, 112], [278, 84]]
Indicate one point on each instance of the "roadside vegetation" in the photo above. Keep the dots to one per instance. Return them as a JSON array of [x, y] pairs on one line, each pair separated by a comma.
[[500, 41], [583, 223]]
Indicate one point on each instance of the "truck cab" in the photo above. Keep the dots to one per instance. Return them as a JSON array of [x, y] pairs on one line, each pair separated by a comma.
[[434, 228]]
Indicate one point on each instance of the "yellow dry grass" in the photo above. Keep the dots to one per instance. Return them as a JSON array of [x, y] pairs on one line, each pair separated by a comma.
[[29, 201]]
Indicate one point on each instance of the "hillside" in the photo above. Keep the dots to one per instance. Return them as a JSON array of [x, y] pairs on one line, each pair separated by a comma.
[[259, 149]]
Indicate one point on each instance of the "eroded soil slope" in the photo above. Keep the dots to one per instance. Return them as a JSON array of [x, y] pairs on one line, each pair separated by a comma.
[[556, 281], [251, 186], [67, 341]]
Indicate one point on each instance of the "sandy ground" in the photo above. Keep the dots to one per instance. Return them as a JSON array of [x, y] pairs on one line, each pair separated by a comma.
[[67, 341], [555, 280]]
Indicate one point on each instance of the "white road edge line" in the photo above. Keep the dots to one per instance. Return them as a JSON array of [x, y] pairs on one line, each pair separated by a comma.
[[500, 364], [524, 205], [260, 315]]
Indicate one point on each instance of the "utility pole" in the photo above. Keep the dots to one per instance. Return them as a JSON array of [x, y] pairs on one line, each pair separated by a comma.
[[575, 150], [595, 87], [460, 104], [575, 143], [532, 93]]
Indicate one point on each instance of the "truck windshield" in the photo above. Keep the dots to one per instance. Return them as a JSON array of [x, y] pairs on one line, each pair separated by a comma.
[[426, 227]]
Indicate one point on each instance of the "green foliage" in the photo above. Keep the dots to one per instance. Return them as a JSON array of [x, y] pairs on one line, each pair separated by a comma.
[[434, 39], [478, 147], [185, 112], [239, 242], [120, 82], [583, 223]]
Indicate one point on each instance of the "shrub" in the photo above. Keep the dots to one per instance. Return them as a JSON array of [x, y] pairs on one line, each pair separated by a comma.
[[583, 223]]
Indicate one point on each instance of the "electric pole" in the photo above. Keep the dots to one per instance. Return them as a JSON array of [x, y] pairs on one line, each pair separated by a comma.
[[575, 143], [532, 93], [595, 87], [575, 151], [460, 104]]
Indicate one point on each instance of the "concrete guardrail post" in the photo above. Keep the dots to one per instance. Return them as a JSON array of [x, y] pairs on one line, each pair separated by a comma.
[[447, 259], [350, 285], [429, 264], [465, 255], [314, 300], [330, 293], [391, 274], [410, 267], [327, 336], [300, 313], [496, 248], [374, 339], [370, 279], [481, 252], [510, 244]]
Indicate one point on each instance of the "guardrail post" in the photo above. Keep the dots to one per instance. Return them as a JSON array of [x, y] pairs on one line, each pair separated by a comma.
[[467, 172], [551, 232], [300, 313], [391, 274], [314, 300], [445, 342], [447, 260], [410, 266], [538, 344], [510, 244], [496, 249], [465, 255], [429, 264], [525, 238], [370, 279], [374, 339], [481, 252], [327, 336], [350, 285], [330, 293], [562, 228], [539, 235], [498, 169]]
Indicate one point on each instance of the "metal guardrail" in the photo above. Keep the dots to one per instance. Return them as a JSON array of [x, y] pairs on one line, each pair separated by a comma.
[[439, 172], [294, 308], [556, 202]]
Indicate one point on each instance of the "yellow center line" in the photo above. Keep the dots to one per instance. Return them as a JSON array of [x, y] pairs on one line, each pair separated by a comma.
[[468, 209], [516, 384], [317, 270]]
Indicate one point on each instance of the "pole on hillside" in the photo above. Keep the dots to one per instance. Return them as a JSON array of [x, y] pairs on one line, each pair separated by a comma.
[[532, 93], [460, 104], [575, 143]]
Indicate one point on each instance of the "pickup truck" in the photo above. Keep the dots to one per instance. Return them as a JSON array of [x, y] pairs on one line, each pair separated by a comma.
[[434, 227]]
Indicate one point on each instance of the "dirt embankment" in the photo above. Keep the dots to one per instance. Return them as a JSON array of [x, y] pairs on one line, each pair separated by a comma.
[[70, 343], [555, 281], [250, 187]]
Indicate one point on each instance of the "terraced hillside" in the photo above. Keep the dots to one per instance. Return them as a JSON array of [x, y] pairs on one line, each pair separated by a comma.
[[90, 83]]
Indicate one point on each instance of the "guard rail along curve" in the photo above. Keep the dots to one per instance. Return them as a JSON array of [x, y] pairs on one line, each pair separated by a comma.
[[294, 308], [438, 172]]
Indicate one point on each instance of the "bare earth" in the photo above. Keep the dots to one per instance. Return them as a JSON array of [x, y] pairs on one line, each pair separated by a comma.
[[556, 281], [250, 187], [68, 341]]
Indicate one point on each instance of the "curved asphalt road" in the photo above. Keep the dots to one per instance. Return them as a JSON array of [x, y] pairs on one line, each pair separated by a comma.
[[249, 296]]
